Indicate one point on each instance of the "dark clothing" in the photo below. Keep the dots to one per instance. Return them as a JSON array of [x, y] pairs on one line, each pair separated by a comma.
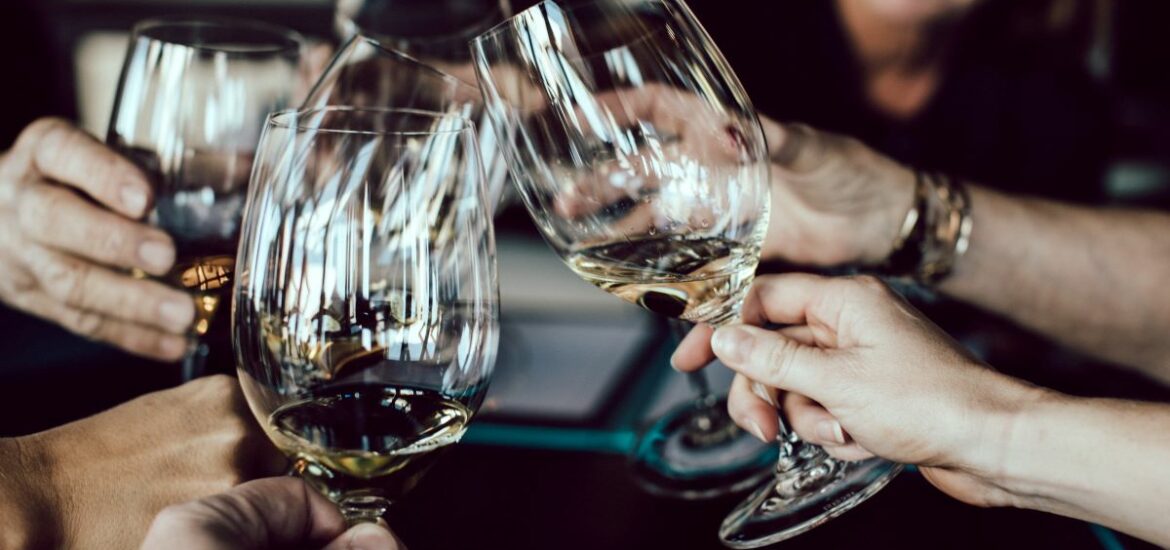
[[1014, 116]]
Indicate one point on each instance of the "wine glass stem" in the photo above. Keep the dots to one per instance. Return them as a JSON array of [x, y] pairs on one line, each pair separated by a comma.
[[364, 509], [795, 455], [195, 361]]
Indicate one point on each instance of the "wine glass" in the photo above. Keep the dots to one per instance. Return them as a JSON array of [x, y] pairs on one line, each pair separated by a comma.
[[190, 107], [367, 73], [695, 450], [366, 302], [427, 29], [638, 153]]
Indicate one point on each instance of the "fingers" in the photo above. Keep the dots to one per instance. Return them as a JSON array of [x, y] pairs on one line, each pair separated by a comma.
[[58, 217], [816, 425], [751, 411], [694, 352], [366, 536], [131, 337], [59, 151], [774, 360], [267, 513], [81, 286]]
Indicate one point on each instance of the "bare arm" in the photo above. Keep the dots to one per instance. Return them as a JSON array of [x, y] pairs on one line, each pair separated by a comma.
[[1098, 460], [1089, 278], [1092, 279], [885, 381]]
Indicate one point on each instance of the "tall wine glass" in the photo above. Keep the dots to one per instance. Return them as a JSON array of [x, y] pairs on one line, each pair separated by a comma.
[[366, 302], [638, 153], [190, 107], [367, 73], [596, 130]]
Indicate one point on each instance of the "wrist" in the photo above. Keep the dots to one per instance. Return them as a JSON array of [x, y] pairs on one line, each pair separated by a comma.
[[891, 218], [1004, 432], [27, 510]]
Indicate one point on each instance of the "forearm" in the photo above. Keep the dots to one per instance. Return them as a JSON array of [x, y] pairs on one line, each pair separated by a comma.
[[25, 513], [1091, 279], [1097, 460]]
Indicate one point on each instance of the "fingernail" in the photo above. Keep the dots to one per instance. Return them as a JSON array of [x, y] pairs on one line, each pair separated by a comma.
[[731, 344], [134, 200], [830, 431], [673, 362], [368, 536], [179, 314], [756, 430], [763, 393], [157, 256]]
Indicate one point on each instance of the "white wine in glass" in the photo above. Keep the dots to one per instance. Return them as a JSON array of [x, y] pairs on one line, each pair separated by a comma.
[[366, 304]]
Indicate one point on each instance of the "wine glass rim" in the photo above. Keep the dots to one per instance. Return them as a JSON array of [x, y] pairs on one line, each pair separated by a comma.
[[275, 121], [376, 42], [566, 5], [283, 40]]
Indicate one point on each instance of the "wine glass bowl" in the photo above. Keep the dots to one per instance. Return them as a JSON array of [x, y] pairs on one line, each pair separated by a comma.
[[650, 181], [365, 72], [366, 305]]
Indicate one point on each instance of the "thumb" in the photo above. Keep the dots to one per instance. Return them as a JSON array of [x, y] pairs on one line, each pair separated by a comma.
[[773, 359], [366, 536], [794, 147]]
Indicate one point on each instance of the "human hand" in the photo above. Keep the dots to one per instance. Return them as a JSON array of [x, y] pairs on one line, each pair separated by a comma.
[[263, 514], [100, 481], [69, 229], [880, 379], [834, 200]]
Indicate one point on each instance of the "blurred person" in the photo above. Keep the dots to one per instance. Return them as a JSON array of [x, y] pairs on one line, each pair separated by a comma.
[[266, 514], [99, 482], [1015, 95]]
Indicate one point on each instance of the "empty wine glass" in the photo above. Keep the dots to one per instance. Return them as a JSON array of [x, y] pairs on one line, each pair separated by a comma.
[[190, 107], [639, 155], [366, 302], [366, 73]]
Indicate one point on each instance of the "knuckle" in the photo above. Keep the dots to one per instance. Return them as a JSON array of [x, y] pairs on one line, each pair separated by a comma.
[[113, 242], [41, 130], [64, 280], [778, 354], [87, 324]]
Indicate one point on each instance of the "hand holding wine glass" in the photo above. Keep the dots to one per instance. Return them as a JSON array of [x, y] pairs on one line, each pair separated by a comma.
[[70, 211], [265, 514], [645, 167]]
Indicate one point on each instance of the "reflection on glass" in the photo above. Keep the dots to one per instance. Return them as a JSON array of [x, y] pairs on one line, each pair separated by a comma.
[[366, 306], [365, 73]]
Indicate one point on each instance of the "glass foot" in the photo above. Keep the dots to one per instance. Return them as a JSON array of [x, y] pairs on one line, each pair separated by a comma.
[[696, 451], [803, 496]]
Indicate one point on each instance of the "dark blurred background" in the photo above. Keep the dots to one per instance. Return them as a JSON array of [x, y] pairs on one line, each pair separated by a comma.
[[1078, 111]]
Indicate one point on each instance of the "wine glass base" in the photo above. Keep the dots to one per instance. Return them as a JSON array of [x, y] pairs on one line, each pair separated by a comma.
[[675, 459], [766, 518]]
